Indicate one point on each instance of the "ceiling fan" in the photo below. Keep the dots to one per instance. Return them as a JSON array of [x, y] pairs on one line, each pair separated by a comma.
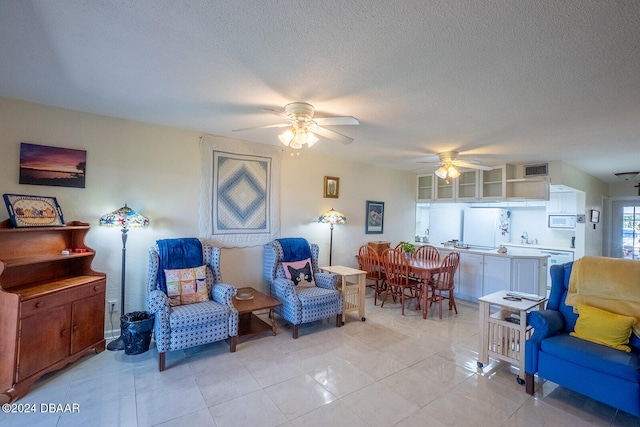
[[450, 163], [302, 127]]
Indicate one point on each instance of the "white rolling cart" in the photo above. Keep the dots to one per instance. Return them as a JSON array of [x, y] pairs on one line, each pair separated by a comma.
[[504, 327], [352, 293]]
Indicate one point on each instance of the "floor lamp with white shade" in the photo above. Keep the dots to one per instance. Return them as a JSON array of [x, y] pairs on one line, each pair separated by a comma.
[[126, 218]]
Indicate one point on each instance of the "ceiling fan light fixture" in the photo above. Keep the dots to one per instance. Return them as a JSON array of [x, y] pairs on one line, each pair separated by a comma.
[[453, 172], [441, 172], [311, 139], [286, 137], [301, 138], [304, 128], [297, 137]]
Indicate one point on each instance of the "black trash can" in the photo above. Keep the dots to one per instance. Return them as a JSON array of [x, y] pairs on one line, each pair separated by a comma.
[[136, 329]]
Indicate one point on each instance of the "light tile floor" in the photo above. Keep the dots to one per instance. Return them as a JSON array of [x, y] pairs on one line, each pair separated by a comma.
[[387, 371]]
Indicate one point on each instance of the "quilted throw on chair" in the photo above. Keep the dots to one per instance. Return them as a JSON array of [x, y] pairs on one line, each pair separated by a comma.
[[177, 254], [294, 249]]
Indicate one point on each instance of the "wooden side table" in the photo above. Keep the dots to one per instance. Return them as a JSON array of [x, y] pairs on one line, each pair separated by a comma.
[[352, 293], [505, 331], [248, 323]]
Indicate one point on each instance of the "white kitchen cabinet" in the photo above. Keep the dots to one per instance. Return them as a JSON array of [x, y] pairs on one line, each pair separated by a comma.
[[520, 188], [470, 276], [497, 274], [529, 275], [467, 186], [493, 183], [425, 188], [483, 274], [444, 190], [562, 203], [464, 188]]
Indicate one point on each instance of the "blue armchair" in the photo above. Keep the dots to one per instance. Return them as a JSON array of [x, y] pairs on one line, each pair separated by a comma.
[[609, 375], [183, 326], [301, 305]]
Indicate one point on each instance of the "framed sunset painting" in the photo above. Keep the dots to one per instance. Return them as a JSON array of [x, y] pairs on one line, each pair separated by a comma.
[[44, 165]]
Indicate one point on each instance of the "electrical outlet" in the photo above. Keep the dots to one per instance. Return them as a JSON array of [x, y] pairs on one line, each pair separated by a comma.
[[112, 305]]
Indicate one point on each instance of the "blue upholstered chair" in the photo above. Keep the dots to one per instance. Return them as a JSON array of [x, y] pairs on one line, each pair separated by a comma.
[[183, 326], [301, 305]]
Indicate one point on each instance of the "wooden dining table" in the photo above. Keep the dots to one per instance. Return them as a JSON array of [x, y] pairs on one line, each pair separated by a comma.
[[423, 270]]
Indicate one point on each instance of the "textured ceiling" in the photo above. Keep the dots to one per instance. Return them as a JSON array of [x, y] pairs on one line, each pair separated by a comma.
[[500, 81]]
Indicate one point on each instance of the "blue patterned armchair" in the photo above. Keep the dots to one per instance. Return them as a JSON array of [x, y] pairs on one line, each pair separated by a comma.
[[301, 304], [178, 327]]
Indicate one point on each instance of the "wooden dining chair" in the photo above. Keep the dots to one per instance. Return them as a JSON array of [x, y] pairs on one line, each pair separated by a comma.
[[442, 283], [369, 261], [396, 268], [425, 253]]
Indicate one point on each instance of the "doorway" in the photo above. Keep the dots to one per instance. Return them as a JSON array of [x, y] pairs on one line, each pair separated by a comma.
[[624, 241]]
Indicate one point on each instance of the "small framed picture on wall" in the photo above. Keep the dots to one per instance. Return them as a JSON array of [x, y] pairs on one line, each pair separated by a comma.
[[374, 223], [331, 187], [595, 216]]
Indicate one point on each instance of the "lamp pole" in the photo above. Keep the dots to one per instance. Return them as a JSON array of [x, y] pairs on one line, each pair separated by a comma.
[[118, 344], [331, 244]]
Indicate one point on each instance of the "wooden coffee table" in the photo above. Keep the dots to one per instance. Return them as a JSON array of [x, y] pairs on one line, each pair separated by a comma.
[[248, 323]]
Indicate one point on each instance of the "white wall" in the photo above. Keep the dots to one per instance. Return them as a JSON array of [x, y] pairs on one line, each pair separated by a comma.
[[595, 191], [156, 171]]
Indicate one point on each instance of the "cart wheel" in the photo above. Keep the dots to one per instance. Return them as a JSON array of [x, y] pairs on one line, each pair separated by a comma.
[[342, 323], [480, 365], [363, 318], [520, 380]]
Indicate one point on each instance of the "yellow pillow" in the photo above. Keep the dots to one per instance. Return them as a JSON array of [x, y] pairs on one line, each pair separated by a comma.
[[603, 327]]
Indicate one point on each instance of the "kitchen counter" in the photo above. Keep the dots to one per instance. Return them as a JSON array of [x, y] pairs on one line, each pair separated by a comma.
[[512, 252], [484, 271], [541, 247]]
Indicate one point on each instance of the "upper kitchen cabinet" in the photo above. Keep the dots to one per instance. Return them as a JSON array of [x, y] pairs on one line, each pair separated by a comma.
[[467, 186], [445, 190], [562, 203], [493, 183], [432, 188], [425, 188], [519, 187], [506, 182]]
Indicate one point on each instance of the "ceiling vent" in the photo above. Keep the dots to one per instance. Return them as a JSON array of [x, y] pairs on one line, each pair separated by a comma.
[[541, 169]]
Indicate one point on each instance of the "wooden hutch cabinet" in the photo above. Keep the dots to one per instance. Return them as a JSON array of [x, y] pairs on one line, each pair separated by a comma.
[[52, 305]]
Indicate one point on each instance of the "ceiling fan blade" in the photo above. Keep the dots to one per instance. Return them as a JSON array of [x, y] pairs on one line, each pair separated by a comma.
[[430, 159], [336, 121], [276, 112], [331, 134], [463, 164], [280, 125]]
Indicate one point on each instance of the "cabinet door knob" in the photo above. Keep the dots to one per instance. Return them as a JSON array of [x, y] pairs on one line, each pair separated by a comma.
[[75, 328], [63, 332], [39, 304], [96, 288]]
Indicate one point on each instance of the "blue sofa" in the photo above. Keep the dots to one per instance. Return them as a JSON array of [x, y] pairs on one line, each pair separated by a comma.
[[600, 372]]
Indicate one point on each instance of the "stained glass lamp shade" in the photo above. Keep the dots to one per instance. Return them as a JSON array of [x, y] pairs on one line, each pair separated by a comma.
[[126, 218], [332, 217]]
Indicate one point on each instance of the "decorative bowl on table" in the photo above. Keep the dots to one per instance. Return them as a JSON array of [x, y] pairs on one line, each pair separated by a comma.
[[244, 294]]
